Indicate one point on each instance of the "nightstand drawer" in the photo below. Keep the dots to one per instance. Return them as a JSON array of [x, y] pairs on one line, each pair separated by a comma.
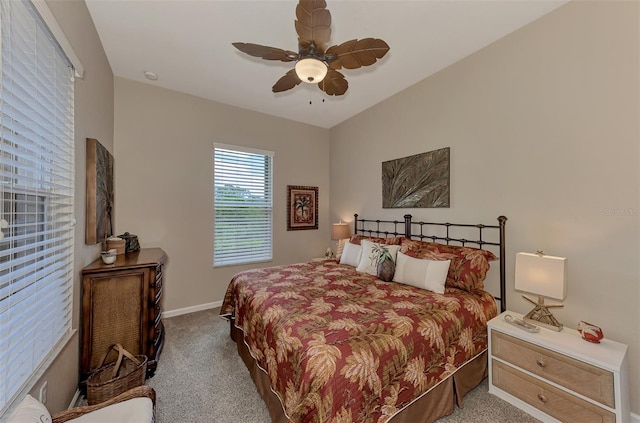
[[590, 381], [549, 399]]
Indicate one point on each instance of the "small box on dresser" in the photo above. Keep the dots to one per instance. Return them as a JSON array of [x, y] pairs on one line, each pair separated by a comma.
[[558, 376]]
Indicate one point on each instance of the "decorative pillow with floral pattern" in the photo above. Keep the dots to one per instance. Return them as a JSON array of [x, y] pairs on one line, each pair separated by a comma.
[[468, 266], [355, 239]]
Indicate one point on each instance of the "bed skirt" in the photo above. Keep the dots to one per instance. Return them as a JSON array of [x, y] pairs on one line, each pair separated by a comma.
[[436, 403]]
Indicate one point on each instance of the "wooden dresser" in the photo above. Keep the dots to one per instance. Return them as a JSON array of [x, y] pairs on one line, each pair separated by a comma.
[[121, 303], [558, 376]]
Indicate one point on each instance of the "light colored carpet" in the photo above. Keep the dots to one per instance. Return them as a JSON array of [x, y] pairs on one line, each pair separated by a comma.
[[201, 378]]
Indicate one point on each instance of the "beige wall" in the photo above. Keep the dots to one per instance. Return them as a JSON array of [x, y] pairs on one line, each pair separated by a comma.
[[543, 127], [93, 119], [164, 182]]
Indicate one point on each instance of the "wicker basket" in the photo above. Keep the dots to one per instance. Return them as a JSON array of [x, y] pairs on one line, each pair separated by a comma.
[[117, 244], [117, 377]]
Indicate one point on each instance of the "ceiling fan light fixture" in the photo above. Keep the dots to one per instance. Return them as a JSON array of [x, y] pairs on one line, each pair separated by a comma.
[[311, 70]]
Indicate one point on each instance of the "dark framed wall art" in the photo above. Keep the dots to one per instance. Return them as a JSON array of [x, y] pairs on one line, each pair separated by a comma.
[[302, 207], [419, 181], [100, 195]]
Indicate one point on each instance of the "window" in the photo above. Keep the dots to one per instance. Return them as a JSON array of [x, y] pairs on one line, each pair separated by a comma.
[[242, 229], [36, 196]]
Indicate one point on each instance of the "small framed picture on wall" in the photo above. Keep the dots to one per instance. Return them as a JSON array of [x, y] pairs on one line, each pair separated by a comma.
[[302, 207]]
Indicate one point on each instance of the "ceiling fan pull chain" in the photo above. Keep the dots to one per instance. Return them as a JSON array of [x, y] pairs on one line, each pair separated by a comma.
[[311, 94]]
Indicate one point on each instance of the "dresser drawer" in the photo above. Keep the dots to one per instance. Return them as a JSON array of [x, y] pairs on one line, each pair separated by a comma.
[[590, 381], [549, 399]]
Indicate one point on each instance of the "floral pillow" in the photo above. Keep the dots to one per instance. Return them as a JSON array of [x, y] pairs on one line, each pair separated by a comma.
[[468, 266], [373, 254], [356, 239]]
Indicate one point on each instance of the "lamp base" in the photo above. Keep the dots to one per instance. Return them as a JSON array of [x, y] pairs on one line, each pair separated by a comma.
[[541, 315]]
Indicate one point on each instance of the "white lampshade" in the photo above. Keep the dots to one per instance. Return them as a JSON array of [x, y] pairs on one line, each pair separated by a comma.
[[311, 70], [541, 275], [340, 231]]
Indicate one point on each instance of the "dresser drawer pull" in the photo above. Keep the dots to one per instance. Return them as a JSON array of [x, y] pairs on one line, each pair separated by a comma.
[[543, 399], [540, 362]]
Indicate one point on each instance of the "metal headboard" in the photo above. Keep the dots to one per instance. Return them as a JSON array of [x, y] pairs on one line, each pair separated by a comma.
[[393, 228]]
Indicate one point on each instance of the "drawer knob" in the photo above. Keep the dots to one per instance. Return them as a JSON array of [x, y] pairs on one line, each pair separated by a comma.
[[540, 362], [542, 398]]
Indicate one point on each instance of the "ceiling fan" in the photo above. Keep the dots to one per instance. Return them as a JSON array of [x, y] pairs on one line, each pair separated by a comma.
[[315, 63]]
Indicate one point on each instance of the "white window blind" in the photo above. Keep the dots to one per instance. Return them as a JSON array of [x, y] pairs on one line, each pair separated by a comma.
[[242, 230], [36, 196]]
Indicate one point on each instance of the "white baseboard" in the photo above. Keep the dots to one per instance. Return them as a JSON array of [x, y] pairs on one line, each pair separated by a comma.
[[192, 309], [635, 418]]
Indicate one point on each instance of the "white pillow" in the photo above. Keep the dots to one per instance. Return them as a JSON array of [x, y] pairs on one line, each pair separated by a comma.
[[135, 410], [351, 254], [370, 253], [422, 273], [30, 410]]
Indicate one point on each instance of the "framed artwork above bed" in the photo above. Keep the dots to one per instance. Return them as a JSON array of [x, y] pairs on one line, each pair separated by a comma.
[[302, 207], [419, 181]]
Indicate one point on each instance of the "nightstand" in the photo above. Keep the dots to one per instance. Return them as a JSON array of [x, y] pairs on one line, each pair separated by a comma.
[[558, 376]]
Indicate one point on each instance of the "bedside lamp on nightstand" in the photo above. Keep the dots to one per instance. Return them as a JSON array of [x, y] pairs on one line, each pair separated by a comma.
[[340, 232], [545, 276]]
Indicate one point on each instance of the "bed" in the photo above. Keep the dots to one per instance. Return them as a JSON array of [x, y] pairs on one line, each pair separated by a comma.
[[329, 341]]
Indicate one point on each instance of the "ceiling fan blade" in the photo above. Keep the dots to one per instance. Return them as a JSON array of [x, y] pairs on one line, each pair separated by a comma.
[[288, 81], [313, 24], [334, 83], [266, 53], [354, 54]]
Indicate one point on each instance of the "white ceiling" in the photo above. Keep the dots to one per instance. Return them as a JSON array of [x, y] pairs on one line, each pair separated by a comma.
[[188, 44]]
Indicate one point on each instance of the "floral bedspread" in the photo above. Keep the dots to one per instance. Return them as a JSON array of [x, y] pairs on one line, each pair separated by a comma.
[[341, 346]]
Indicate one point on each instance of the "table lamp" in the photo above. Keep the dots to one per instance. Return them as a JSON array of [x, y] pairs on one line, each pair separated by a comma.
[[340, 232], [545, 276]]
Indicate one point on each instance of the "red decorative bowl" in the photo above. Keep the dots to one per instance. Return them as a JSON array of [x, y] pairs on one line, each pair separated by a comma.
[[589, 332]]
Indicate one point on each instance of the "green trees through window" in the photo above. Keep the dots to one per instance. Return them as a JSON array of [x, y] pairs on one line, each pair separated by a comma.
[[242, 206]]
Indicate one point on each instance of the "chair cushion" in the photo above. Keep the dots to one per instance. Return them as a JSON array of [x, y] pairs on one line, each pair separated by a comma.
[[30, 410], [135, 410]]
